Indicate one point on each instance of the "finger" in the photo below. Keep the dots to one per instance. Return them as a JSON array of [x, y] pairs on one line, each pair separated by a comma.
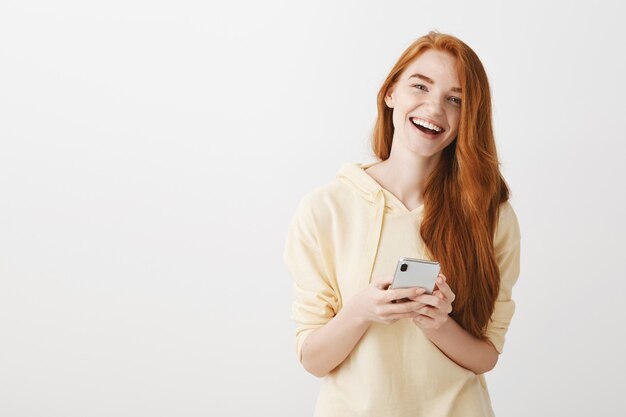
[[413, 297], [386, 310], [431, 312], [445, 288], [399, 293], [431, 300], [399, 316], [406, 307], [444, 306]]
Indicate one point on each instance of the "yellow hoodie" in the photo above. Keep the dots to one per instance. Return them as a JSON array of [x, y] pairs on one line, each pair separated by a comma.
[[344, 235]]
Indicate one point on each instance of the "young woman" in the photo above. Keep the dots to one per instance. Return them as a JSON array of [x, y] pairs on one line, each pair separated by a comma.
[[435, 193]]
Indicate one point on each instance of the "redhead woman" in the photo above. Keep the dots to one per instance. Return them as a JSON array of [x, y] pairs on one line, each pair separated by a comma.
[[435, 192]]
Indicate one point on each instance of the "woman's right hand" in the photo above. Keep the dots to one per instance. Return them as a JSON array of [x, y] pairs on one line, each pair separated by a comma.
[[376, 302]]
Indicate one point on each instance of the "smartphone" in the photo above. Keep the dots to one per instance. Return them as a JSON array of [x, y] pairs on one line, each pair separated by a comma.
[[412, 272]]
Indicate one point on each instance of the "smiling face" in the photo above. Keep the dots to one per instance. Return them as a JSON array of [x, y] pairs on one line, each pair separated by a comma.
[[426, 103]]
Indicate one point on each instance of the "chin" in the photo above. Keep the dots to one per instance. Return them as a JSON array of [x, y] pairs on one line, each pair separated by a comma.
[[423, 151]]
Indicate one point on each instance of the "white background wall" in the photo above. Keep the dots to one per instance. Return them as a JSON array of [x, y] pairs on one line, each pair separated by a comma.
[[152, 153]]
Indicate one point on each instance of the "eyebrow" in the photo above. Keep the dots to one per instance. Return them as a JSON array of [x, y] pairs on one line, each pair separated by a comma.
[[429, 80]]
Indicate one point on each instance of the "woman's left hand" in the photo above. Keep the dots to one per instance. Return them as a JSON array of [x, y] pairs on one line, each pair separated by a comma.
[[438, 306]]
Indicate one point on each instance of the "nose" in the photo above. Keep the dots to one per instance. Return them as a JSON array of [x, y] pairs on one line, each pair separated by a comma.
[[434, 105]]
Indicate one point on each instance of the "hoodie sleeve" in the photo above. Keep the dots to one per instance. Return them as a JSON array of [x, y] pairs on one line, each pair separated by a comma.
[[507, 249], [315, 301]]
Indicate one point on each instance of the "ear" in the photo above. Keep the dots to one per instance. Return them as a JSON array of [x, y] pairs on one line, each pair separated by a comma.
[[389, 100]]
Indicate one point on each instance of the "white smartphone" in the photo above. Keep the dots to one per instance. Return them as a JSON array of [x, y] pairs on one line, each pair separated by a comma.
[[412, 272]]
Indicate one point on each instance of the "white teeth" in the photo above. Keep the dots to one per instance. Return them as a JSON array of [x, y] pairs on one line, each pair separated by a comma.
[[426, 124]]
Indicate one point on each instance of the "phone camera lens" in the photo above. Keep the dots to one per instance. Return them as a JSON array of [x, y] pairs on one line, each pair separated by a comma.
[[403, 267]]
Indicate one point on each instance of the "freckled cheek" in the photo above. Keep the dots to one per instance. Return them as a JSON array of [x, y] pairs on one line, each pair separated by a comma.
[[454, 125]]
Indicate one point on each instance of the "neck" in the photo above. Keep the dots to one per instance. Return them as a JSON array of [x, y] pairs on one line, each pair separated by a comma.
[[408, 172]]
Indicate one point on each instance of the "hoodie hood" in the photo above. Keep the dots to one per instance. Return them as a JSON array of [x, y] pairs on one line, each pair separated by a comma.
[[354, 175], [382, 202]]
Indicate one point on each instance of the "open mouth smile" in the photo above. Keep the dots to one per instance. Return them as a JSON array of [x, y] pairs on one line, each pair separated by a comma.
[[426, 127]]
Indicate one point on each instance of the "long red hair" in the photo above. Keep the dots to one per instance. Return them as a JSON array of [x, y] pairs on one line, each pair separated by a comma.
[[463, 194]]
